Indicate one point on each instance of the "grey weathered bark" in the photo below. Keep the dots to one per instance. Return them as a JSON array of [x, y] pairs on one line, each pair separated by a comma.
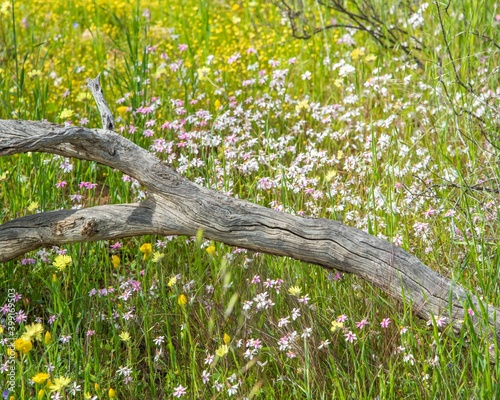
[[177, 206], [108, 122]]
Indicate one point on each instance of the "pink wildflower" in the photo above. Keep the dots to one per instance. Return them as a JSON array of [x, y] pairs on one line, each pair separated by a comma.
[[350, 337], [179, 391], [385, 323], [342, 318], [116, 246], [361, 323]]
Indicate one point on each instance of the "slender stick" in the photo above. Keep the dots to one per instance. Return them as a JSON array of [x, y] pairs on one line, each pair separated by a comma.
[[108, 122]]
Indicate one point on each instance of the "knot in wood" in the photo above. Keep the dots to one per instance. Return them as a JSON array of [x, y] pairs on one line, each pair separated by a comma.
[[90, 228], [60, 228]]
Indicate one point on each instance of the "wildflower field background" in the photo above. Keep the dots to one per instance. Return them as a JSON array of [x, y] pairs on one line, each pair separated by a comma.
[[403, 146]]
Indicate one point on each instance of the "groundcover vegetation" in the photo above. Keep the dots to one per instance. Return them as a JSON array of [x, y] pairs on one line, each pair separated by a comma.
[[392, 130]]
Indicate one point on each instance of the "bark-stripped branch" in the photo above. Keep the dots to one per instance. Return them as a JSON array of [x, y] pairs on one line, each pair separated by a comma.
[[178, 206], [108, 122]]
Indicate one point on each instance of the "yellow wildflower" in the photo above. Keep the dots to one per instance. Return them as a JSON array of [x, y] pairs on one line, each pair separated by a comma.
[[5, 8], [146, 249], [182, 300], [222, 350], [370, 57], [115, 260], [161, 70], [35, 73], [62, 261], [203, 73], [302, 105], [330, 175], [125, 336], [33, 331], [83, 96], [226, 338], [172, 281], [40, 394], [356, 53], [23, 345], [41, 377], [48, 338], [66, 113], [122, 110], [60, 383], [295, 290], [32, 206], [336, 326], [157, 256], [217, 104], [111, 393], [211, 250]]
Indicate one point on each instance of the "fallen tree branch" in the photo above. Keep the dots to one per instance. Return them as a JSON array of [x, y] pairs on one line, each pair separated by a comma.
[[176, 206]]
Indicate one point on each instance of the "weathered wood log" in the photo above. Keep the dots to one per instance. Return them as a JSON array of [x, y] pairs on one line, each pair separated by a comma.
[[176, 206]]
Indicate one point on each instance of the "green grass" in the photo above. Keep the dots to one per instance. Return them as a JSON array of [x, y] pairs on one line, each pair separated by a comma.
[[378, 148]]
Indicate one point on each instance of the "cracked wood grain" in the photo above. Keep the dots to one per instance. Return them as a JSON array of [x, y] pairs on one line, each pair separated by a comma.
[[176, 206]]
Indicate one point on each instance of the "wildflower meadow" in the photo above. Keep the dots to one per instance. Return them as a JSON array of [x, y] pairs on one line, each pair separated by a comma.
[[390, 129]]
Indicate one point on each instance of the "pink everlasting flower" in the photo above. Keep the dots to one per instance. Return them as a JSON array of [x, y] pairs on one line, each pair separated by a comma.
[[342, 318], [385, 323], [350, 337], [116, 246], [361, 323]]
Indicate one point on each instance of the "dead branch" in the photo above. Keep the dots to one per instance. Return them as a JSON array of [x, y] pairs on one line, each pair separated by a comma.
[[176, 206], [108, 122], [361, 16]]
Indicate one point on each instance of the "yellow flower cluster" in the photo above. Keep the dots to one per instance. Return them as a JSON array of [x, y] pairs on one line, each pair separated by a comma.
[[147, 250], [24, 344], [62, 261]]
